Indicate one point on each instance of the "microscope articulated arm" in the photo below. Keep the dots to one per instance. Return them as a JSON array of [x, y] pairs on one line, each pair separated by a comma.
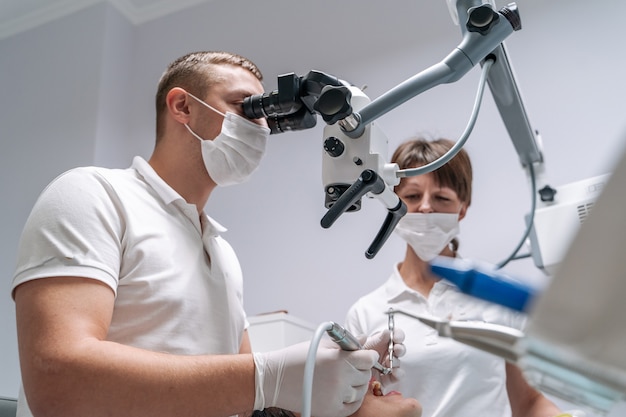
[[485, 30], [506, 93]]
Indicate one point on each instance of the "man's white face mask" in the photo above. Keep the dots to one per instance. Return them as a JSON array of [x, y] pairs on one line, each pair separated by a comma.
[[236, 152], [428, 233]]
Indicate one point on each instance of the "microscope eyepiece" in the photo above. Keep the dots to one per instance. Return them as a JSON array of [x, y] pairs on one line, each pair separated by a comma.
[[261, 105]]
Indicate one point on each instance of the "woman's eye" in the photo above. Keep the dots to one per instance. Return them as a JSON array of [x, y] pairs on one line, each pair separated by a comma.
[[412, 197]]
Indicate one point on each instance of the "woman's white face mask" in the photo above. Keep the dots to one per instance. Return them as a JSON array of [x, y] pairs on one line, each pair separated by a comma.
[[236, 152], [428, 233]]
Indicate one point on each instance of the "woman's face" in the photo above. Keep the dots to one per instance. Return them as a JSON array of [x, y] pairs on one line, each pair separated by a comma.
[[422, 194]]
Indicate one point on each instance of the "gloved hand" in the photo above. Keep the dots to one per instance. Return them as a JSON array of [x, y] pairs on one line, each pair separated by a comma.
[[379, 342], [340, 380]]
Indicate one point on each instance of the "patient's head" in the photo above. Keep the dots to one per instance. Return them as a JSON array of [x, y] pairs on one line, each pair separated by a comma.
[[273, 412], [375, 404]]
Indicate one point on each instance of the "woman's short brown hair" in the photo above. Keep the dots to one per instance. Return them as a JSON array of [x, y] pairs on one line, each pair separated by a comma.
[[456, 174]]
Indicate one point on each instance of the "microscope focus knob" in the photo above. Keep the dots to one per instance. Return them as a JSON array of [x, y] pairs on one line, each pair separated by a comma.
[[333, 103], [333, 146], [481, 18]]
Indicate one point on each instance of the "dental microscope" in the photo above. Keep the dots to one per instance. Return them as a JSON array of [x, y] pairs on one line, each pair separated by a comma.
[[353, 161]]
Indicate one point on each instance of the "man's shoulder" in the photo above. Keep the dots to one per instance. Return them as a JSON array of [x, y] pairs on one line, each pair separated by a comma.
[[88, 176], [83, 187], [88, 173]]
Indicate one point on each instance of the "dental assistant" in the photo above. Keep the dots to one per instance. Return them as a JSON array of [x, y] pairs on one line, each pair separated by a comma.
[[449, 378], [129, 302]]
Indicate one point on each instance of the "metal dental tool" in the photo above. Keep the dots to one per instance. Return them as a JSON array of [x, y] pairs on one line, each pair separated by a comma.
[[505, 342], [347, 341], [390, 325]]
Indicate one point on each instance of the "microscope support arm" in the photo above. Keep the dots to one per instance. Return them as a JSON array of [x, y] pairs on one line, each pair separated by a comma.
[[486, 29], [506, 94]]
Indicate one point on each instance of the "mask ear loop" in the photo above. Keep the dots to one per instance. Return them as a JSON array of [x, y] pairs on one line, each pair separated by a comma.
[[193, 133], [206, 104], [454, 243]]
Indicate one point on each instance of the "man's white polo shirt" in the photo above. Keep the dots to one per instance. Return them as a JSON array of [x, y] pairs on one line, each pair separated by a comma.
[[178, 284]]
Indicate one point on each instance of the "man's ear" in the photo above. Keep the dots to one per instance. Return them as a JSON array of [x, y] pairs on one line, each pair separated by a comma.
[[177, 102]]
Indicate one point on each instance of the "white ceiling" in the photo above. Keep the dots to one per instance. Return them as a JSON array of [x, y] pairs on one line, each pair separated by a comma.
[[20, 15]]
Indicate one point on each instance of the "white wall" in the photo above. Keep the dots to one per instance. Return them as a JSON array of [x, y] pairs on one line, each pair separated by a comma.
[[49, 84], [83, 89]]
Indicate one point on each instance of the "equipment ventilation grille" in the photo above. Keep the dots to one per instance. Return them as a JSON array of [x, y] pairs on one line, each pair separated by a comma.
[[584, 210]]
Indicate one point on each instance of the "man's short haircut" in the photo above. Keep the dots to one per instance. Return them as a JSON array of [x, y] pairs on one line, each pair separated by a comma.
[[193, 72]]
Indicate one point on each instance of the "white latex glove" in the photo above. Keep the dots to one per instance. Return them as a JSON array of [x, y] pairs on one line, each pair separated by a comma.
[[340, 379], [379, 342]]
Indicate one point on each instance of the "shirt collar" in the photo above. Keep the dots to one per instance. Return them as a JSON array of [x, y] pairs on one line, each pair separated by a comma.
[[396, 286], [210, 226], [169, 195], [165, 192]]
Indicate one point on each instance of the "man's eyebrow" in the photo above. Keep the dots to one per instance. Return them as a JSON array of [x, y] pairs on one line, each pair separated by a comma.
[[241, 92]]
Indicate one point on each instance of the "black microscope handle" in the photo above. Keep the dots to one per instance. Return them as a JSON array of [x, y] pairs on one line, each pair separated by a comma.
[[368, 181], [393, 217]]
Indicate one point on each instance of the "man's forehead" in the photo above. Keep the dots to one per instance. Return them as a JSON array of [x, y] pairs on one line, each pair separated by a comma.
[[237, 80]]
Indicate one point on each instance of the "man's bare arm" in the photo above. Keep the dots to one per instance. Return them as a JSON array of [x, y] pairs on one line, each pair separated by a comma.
[[70, 369]]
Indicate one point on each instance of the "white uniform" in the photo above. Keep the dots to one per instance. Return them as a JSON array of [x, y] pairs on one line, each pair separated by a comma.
[[450, 379], [178, 284]]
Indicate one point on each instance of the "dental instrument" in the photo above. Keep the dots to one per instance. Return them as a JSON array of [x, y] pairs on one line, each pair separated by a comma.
[[391, 326], [556, 371], [489, 285], [347, 341]]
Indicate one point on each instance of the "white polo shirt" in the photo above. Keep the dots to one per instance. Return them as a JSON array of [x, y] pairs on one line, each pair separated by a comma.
[[178, 284], [449, 378]]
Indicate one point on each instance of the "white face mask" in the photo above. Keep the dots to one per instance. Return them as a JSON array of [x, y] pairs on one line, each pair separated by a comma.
[[236, 152], [428, 233]]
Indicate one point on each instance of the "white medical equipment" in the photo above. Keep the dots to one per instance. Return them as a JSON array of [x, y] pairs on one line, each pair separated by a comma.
[[558, 217]]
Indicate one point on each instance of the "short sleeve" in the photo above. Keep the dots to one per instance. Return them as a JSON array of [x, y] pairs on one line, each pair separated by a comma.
[[74, 229]]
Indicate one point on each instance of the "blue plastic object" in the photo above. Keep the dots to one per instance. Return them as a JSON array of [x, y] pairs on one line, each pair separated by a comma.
[[484, 284]]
